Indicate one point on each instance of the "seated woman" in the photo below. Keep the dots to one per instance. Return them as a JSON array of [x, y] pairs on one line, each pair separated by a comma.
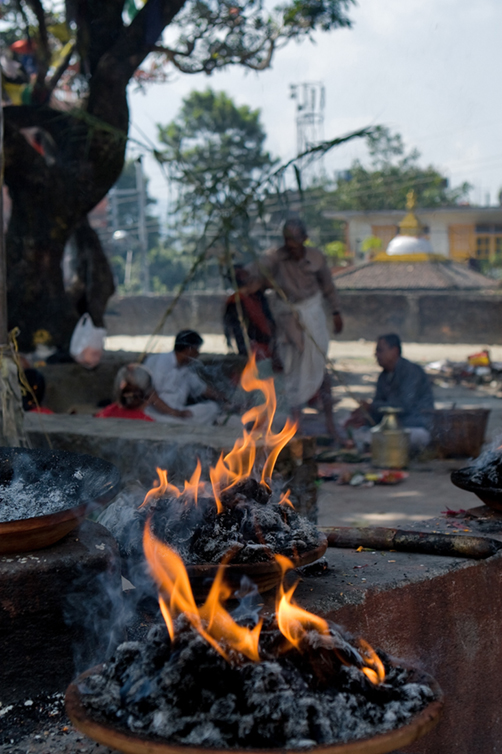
[[132, 389]]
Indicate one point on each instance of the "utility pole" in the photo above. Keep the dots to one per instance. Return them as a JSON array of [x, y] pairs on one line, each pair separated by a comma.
[[142, 234]]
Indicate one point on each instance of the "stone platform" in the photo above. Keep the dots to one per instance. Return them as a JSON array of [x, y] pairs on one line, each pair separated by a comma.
[[56, 605], [440, 613], [137, 448]]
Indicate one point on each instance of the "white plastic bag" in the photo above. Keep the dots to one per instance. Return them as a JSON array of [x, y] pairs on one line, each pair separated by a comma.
[[87, 342]]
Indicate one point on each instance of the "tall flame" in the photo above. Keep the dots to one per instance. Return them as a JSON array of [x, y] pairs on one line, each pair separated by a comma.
[[161, 489], [217, 626], [239, 462], [211, 620]]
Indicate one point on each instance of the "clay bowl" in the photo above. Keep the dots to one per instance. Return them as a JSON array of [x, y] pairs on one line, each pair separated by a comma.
[[119, 739], [97, 484], [490, 496], [266, 576]]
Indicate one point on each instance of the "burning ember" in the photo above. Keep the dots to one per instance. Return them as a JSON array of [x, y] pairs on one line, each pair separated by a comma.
[[241, 509], [291, 680]]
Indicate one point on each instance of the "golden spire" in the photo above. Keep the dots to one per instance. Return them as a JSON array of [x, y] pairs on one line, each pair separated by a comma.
[[411, 225]]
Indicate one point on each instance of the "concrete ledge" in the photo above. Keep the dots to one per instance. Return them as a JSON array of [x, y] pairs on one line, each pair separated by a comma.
[[43, 640], [138, 447], [442, 614], [419, 316]]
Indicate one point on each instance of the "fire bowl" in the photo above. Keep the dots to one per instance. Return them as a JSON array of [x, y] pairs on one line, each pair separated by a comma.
[[490, 496], [266, 576], [123, 740], [66, 484]]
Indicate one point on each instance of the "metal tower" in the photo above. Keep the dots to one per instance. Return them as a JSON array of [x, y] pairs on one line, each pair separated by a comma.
[[310, 99]]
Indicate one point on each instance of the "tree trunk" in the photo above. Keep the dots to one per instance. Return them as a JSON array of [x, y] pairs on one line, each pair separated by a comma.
[[51, 195]]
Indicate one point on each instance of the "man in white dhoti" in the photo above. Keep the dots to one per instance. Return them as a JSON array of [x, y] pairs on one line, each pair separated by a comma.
[[175, 382], [301, 273]]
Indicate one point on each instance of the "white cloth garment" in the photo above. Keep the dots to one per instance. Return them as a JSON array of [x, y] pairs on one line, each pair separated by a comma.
[[304, 362], [175, 385]]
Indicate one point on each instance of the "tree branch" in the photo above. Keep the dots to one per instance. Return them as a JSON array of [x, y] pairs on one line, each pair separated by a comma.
[[43, 51], [56, 76]]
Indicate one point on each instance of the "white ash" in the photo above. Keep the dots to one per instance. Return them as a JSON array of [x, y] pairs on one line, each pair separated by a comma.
[[21, 499], [487, 471], [186, 693], [253, 524]]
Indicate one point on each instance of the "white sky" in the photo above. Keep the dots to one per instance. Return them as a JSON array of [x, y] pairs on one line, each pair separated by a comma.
[[429, 69]]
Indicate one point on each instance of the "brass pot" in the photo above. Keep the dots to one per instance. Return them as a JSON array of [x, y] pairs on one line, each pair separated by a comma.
[[390, 444]]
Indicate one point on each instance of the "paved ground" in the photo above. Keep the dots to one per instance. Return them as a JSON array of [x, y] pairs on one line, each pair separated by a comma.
[[428, 489], [425, 494]]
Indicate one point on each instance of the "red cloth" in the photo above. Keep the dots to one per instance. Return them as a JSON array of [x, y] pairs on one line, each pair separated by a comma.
[[115, 411], [254, 309], [40, 410]]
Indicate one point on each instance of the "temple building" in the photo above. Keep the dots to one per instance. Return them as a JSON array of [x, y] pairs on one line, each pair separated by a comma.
[[458, 233], [423, 295]]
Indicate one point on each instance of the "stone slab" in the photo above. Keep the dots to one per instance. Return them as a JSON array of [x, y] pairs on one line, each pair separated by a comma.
[[441, 614], [137, 448], [46, 599]]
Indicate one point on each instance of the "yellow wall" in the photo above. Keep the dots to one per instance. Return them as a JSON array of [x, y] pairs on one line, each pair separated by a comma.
[[462, 242], [385, 232]]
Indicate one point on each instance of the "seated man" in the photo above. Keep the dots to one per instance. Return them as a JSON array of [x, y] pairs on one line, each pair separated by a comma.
[[403, 385], [132, 389], [175, 382]]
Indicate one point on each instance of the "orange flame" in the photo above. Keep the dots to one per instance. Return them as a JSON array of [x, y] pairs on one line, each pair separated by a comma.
[[212, 621], [192, 487], [374, 669], [239, 462], [218, 627], [293, 620], [286, 500], [161, 488]]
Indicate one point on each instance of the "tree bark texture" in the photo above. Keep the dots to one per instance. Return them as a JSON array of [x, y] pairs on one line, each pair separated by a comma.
[[79, 157]]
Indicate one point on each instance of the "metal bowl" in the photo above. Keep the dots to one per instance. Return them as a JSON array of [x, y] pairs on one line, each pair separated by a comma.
[[97, 484], [130, 743], [490, 496]]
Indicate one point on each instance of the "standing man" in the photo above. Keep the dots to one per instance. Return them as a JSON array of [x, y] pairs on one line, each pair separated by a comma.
[[302, 282]]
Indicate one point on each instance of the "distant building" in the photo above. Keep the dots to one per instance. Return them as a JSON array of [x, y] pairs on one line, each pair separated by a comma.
[[457, 233]]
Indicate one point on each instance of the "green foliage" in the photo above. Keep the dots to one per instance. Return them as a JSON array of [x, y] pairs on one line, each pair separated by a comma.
[[392, 174], [215, 151], [371, 243], [335, 250]]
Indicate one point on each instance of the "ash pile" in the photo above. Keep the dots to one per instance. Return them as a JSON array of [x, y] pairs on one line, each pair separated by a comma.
[[255, 522], [487, 470], [186, 692]]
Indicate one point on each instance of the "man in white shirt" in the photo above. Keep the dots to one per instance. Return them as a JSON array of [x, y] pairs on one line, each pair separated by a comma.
[[175, 382]]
